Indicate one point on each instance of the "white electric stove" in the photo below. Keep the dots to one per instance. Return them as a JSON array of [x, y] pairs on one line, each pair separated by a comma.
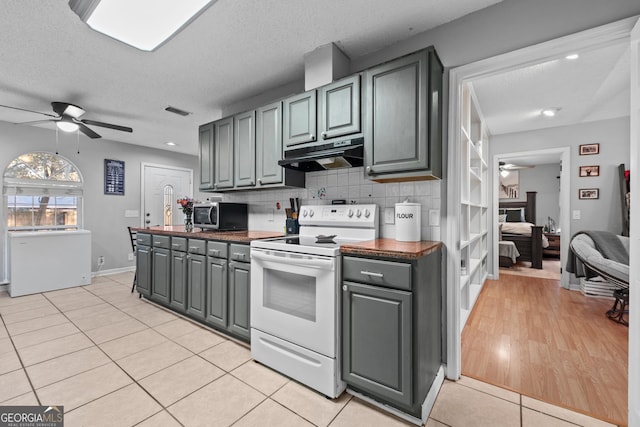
[[295, 298]]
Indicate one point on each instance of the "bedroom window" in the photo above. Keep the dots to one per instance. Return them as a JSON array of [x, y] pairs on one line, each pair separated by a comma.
[[43, 191]]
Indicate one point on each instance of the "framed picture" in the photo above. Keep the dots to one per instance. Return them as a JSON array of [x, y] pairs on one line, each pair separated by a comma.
[[509, 185], [587, 149], [114, 177], [589, 193], [589, 171]]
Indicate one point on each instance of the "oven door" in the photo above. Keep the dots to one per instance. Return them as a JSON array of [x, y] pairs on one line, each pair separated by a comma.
[[293, 297]]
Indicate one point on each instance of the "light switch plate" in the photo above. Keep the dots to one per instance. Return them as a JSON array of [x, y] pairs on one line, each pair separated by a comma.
[[389, 215], [434, 217], [576, 214], [129, 213]]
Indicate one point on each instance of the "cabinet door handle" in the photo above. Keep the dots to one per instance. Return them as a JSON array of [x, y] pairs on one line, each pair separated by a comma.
[[324, 135], [312, 137], [372, 274], [260, 181], [344, 288], [369, 170]]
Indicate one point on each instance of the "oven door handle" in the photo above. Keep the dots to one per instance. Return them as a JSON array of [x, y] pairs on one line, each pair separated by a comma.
[[288, 260]]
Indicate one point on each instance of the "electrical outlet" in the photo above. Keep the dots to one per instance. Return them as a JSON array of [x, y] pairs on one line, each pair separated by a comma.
[[100, 260], [389, 215], [130, 256]]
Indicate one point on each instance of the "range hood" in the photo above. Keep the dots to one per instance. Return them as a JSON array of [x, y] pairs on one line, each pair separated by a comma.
[[335, 155]]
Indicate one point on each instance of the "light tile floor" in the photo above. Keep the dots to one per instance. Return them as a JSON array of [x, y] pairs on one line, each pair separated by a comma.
[[113, 359]]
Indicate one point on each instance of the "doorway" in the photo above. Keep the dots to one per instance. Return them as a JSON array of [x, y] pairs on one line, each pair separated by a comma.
[[162, 186]]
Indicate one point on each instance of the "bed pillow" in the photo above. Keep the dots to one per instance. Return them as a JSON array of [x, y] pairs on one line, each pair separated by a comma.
[[502, 218], [515, 215]]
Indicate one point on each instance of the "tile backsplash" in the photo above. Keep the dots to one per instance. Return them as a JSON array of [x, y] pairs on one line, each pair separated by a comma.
[[349, 184]]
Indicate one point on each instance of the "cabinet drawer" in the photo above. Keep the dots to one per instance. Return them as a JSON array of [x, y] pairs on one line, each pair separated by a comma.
[[239, 252], [179, 244], [162, 242], [197, 246], [377, 272], [217, 249], [143, 239]]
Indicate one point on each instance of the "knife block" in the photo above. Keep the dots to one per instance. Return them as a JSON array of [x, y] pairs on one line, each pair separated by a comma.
[[292, 226]]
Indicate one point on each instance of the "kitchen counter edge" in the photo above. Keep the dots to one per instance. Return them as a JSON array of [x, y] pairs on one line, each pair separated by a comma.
[[228, 236], [390, 248]]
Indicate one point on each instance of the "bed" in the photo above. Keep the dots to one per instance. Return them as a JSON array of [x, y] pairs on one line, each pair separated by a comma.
[[528, 238]]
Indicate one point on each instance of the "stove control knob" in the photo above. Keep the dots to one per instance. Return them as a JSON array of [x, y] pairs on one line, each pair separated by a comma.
[[358, 213], [350, 213], [304, 212], [311, 212], [367, 213]]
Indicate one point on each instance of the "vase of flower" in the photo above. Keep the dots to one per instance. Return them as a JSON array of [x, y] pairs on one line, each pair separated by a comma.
[[187, 209]]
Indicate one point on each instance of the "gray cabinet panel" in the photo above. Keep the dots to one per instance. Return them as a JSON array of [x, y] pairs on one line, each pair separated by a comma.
[[239, 252], [402, 112], [161, 266], [244, 145], [143, 267], [217, 292], [196, 280], [376, 341], [340, 108], [217, 249], [239, 295], [223, 153], [178, 280], [377, 272], [206, 156], [300, 119], [197, 246], [269, 144]]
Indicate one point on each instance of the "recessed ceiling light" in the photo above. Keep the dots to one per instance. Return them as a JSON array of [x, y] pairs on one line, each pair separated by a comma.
[[170, 143], [572, 56], [145, 24], [549, 112]]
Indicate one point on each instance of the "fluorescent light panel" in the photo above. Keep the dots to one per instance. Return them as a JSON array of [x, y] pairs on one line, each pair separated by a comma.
[[144, 24]]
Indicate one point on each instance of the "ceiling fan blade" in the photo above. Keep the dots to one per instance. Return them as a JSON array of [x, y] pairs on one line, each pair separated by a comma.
[[87, 131], [107, 125], [33, 122], [29, 111]]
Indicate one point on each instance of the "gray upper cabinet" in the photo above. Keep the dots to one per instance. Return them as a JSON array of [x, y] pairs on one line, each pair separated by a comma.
[[339, 108], [244, 145], [206, 156], [223, 154], [269, 144], [403, 135], [299, 121]]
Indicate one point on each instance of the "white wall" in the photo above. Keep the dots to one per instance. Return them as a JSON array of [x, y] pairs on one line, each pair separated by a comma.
[[613, 136], [103, 214]]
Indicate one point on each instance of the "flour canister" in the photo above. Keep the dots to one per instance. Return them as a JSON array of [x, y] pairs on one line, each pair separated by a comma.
[[408, 222]]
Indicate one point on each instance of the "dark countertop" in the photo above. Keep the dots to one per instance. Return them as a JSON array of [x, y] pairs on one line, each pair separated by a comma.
[[229, 236], [391, 248]]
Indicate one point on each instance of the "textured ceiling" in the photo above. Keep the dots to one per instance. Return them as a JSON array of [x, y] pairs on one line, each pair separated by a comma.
[[235, 50], [593, 87]]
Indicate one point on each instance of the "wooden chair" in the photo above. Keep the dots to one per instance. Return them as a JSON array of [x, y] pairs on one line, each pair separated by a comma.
[[134, 241]]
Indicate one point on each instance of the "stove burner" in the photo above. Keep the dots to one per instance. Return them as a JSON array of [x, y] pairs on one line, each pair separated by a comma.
[[325, 239]]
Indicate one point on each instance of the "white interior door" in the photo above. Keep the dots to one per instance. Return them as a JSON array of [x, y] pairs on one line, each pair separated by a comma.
[[162, 186], [634, 234]]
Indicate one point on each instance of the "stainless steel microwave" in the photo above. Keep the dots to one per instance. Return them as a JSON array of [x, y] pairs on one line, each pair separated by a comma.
[[220, 216]]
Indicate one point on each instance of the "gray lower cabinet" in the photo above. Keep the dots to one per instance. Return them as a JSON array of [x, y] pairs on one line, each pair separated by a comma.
[[392, 328], [403, 131], [178, 280], [377, 340], [239, 290], [161, 269], [143, 264], [217, 292], [196, 285]]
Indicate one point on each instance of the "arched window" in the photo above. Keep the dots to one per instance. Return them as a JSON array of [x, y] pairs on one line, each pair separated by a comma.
[[43, 191]]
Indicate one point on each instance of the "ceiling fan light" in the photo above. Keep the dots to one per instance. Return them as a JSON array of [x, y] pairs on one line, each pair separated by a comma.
[[144, 24], [572, 56], [67, 126], [74, 111], [504, 173], [549, 112]]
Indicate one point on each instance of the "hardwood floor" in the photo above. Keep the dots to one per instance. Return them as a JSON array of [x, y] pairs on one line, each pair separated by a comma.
[[534, 337]]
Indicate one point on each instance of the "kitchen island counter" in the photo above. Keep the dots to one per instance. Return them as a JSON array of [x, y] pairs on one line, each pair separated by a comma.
[[228, 236], [391, 248]]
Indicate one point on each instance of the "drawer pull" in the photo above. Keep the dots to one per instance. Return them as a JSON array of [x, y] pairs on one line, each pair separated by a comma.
[[194, 249], [371, 273], [214, 252], [239, 255]]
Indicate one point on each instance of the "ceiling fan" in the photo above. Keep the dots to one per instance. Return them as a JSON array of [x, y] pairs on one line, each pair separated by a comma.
[[505, 168], [67, 118]]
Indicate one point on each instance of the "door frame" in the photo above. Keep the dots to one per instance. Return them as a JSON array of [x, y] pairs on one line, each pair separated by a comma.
[[564, 154], [145, 165], [596, 37]]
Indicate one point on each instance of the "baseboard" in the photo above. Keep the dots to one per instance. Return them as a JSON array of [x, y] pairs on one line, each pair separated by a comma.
[[4, 287], [112, 271]]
